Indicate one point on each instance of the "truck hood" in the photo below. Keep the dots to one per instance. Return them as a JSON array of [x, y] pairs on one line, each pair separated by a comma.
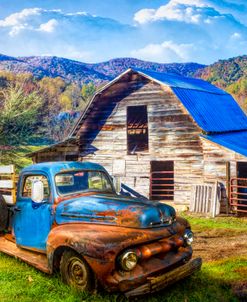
[[114, 210]]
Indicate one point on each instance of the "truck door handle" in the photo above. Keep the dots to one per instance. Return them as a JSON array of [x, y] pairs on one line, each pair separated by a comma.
[[17, 209]]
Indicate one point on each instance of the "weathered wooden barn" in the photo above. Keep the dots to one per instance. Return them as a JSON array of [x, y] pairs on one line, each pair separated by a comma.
[[163, 134]]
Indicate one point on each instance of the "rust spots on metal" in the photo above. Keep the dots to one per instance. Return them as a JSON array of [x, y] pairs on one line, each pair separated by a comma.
[[161, 246], [100, 246], [124, 216]]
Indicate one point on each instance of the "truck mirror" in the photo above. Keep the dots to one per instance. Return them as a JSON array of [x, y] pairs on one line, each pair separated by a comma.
[[117, 183], [37, 191]]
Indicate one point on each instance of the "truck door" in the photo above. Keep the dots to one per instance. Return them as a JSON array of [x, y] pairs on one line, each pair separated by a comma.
[[32, 222]]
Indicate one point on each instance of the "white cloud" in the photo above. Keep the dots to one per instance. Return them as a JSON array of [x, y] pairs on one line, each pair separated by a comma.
[[188, 11], [48, 26], [78, 35], [166, 52], [144, 15], [18, 18], [18, 21], [213, 27], [29, 19]]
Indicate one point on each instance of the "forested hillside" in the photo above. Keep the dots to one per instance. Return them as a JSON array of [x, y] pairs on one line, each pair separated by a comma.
[[79, 72], [230, 75]]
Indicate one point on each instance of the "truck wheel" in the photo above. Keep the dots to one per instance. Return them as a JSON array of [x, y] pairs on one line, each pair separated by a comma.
[[3, 214], [76, 272]]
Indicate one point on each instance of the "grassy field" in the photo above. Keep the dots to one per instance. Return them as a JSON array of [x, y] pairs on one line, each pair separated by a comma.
[[219, 280]]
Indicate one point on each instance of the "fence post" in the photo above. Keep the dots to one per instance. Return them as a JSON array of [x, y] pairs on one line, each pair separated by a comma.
[[215, 199]]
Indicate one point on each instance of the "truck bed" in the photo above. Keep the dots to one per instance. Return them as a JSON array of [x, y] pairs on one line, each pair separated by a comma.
[[35, 259]]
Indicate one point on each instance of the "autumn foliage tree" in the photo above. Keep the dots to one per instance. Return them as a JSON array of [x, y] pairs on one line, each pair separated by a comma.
[[19, 114], [33, 107]]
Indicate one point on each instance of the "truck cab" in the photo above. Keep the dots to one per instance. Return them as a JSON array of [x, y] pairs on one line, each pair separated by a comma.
[[69, 217]]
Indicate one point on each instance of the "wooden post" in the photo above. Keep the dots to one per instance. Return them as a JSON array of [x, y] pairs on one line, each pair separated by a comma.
[[228, 188], [215, 199]]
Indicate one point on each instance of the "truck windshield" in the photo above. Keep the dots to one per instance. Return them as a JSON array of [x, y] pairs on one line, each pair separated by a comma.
[[82, 181]]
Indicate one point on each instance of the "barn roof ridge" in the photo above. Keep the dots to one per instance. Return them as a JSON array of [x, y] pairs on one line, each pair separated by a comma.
[[178, 81]]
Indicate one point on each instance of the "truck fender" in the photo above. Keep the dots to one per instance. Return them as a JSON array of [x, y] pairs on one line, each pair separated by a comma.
[[62, 238]]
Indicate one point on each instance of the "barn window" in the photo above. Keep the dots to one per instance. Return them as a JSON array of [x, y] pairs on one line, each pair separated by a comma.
[[137, 129]]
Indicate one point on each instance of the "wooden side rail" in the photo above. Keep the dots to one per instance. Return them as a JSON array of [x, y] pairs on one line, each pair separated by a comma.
[[8, 183]]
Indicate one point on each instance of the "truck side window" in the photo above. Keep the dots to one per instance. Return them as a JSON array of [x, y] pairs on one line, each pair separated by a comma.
[[26, 190]]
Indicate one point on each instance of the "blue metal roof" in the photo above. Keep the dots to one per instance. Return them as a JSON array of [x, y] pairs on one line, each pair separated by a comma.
[[213, 109], [178, 81], [235, 141], [213, 112]]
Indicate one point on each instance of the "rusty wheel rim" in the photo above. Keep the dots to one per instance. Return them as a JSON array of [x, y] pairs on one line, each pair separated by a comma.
[[77, 273]]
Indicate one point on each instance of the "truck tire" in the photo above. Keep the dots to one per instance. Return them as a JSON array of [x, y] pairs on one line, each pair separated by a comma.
[[76, 272], [4, 214]]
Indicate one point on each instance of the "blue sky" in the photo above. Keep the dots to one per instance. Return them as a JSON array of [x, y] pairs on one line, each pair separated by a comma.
[[202, 31]]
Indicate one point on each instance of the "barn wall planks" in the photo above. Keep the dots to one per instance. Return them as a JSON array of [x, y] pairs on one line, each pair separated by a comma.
[[173, 135]]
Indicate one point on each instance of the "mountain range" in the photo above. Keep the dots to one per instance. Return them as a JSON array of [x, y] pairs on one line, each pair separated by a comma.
[[79, 72], [230, 74]]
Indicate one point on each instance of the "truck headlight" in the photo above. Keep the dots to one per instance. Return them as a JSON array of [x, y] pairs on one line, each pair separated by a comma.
[[128, 260], [188, 237]]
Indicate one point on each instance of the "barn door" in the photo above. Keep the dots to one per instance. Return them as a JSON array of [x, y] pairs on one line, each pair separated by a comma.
[[162, 180]]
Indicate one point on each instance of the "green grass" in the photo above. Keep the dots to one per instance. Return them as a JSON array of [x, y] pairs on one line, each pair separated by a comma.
[[22, 283], [226, 223]]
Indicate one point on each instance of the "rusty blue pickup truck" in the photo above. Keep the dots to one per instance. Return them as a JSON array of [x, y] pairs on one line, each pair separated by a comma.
[[68, 217]]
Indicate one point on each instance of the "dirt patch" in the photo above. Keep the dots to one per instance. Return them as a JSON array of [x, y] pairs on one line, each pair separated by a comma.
[[219, 244]]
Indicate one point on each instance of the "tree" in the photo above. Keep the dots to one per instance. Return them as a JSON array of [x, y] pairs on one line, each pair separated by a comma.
[[19, 112], [87, 92]]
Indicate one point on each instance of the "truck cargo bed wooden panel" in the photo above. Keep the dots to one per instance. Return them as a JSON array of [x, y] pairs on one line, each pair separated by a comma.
[[33, 258]]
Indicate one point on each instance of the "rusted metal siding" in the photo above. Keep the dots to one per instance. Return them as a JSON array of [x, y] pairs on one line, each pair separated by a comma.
[[173, 135]]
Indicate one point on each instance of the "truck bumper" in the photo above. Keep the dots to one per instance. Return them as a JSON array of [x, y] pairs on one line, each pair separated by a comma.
[[155, 284]]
